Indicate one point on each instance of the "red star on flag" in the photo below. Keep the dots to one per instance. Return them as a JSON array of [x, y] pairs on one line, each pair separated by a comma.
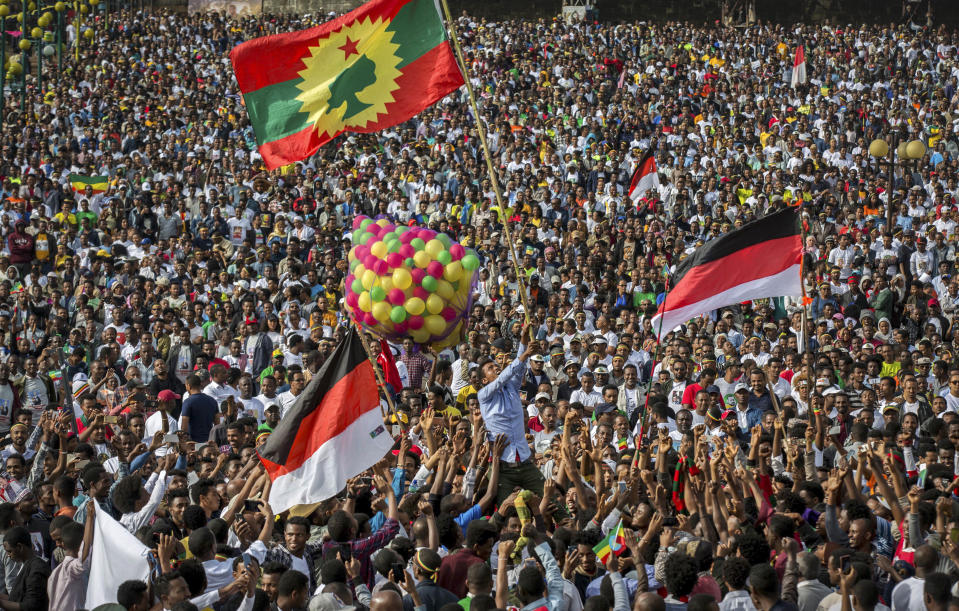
[[349, 48]]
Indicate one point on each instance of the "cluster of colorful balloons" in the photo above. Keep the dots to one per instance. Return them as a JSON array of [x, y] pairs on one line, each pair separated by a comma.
[[409, 282]]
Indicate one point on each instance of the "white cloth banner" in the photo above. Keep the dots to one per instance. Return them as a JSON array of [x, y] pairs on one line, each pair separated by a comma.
[[116, 556]]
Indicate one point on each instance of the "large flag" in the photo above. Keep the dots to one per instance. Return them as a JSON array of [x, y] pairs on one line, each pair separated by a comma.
[[115, 556], [645, 177], [371, 68], [759, 260], [79, 183], [332, 432], [799, 68]]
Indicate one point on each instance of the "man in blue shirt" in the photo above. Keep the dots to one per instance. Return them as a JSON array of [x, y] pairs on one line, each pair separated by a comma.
[[503, 414], [199, 411], [760, 400]]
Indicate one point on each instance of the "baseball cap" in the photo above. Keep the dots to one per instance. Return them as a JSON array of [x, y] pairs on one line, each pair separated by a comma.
[[542, 395], [538, 358], [167, 395]]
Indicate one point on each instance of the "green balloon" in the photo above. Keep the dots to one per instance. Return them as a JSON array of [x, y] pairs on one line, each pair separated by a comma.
[[470, 262], [445, 239], [357, 286], [393, 246], [398, 314], [365, 223], [418, 243], [388, 237], [365, 237], [430, 283], [444, 257], [408, 262], [354, 264], [401, 229], [356, 235], [377, 293]]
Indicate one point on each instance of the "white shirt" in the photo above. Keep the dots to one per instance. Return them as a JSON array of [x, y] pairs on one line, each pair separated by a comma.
[[285, 401], [220, 391], [219, 573], [153, 425], [907, 595]]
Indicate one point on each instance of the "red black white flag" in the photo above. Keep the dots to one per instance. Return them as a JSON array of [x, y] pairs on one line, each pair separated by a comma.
[[333, 432], [645, 178], [759, 260]]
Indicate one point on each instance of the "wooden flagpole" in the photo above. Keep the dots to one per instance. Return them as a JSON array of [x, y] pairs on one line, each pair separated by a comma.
[[481, 130]]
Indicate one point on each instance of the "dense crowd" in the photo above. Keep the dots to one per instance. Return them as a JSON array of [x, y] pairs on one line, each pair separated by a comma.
[[153, 335]]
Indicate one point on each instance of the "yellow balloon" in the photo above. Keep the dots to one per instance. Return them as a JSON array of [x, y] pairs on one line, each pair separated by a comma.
[[368, 279], [434, 304], [415, 306], [434, 324], [434, 247], [445, 290], [381, 311], [402, 279], [420, 336], [379, 249], [453, 271], [352, 254], [382, 222], [421, 259], [358, 272], [451, 339], [364, 302], [387, 283]]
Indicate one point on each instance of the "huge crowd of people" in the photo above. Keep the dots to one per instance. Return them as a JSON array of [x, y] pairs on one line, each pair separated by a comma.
[[772, 455]]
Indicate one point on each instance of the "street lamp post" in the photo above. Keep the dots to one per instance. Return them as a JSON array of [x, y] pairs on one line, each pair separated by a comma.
[[897, 150]]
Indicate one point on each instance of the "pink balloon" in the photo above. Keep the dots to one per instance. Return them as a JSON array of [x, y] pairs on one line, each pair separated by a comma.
[[406, 237], [418, 275], [369, 319], [395, 259], [357, 221], [435, 269], [427, 234], [397, 297], [401, 327], [349, 280], [457, 251], [369, 261], [420, 292], [380, 267], [448, 314], [388, 227], [352, 299], [362, 251], [415, 322], [406, 250]]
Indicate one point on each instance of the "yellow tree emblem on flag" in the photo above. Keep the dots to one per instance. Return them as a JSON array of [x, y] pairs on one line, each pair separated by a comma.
[[350, 77]]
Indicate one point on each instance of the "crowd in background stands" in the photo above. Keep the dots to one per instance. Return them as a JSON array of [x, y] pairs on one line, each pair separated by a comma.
[[152, 335]]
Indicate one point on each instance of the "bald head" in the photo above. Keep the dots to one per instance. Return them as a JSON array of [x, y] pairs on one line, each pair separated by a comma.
[[650, 601], [388, 600]]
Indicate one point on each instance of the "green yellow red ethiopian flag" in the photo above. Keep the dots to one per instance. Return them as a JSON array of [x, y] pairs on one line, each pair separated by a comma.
[[369, 69]]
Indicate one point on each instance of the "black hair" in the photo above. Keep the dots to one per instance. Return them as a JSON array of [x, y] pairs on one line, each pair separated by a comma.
[[753, 547], [478, 532], [202, 541], [131, 593], [126, 493], [938, 587], [763, 581], [681, 574], [736, 573], [333, 571], [867, 593], [482, 602], [162, 585], [194, 517], [700, 602], [18, 535], [71, 535], [201, 488], [292, 581], [193, 573], [339, 524], [596, 603], [530, 585]]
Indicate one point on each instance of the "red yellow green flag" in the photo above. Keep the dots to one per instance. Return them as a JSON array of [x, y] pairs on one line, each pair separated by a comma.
[[367, 70], [79, 183]]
